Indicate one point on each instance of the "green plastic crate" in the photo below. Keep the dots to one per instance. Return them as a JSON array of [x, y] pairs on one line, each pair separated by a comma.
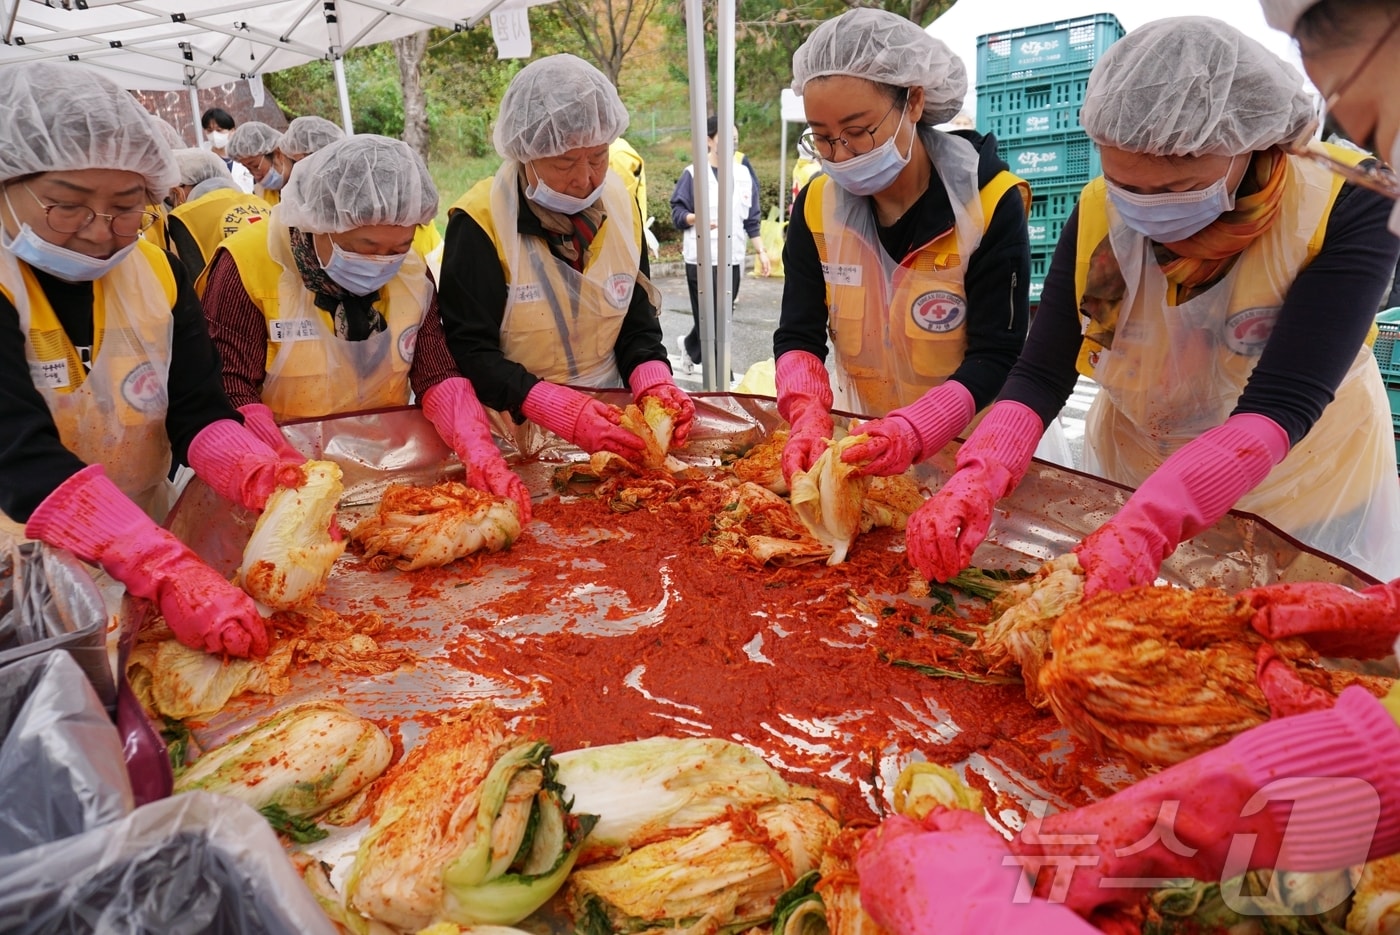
[[1060, 158], [1047, 48]]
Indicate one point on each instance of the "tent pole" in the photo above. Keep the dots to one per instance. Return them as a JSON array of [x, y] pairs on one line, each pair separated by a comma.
[[344, 92], [784, 189], [194, 115], [724, 306], [695, 53]]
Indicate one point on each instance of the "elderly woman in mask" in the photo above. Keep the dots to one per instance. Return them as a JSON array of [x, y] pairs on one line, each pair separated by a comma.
[[253, 145], [910, 250], [206, 207], [106, 368], [544, 276], [1219, 290], [327, 308]]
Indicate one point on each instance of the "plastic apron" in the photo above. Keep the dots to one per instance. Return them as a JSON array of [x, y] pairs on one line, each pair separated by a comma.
[[1174, 372], [310, 371], [900, 330], [740, 206], [560, 324], [116, 415]]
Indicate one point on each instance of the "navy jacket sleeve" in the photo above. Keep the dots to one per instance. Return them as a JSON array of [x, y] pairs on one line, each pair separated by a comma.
[[683, 200]]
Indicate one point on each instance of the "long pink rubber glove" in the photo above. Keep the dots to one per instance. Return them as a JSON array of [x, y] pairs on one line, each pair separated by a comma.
[[653, 378], [581, 420], [258, 419], [239, 466], [944, 532], [451, 405], [1336, 621], [913, 433], [1329, 779], [804, 399], [1189, 492], [94, 520], [948, 876]]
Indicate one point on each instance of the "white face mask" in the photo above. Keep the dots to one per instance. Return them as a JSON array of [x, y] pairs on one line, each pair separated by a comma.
[[1167, 217], [68, 265], [544, 196], [360, 273]]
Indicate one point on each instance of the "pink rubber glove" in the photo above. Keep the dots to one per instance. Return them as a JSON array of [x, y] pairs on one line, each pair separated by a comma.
[[1189, 492], [950, 875], [943, 533], [1329, 779], [915, 432], [581, 420], [1336, 621], [804, 399], [653, 378], [240, 466], [258, 419], [460, 420], [95, 521]]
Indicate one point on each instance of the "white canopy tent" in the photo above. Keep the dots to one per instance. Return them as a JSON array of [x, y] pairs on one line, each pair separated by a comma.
[[189, 44]]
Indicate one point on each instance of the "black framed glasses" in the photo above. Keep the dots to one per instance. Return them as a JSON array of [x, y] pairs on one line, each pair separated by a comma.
[[69, 219], [1371, 174], [857, 140]]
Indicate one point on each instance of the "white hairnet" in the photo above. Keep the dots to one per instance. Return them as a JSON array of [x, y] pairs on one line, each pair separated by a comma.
[[212, 185], [167, 132], [199, 165], [307, 135], [359, 181], [251, 139], [1191, 86], [56, 118], [556, 104], [1284, 14], [888, 49]]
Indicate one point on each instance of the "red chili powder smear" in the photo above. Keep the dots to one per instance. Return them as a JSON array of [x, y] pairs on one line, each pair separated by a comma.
[[813, 687]]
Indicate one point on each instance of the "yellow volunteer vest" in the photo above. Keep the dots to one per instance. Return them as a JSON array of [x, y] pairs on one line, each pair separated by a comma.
[[628, 164], [310, 372], [559, 324], [220, 214], [273, 197], [918, 320], [426, 239], [113, 415], [1169, 373], [804, 172]]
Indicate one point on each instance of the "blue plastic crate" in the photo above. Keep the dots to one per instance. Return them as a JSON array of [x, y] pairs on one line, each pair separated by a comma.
[[1061, 158], [1048, 48], [1051, 206], [1014, 110]]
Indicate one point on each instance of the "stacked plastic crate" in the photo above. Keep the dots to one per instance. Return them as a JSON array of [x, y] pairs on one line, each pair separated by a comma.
[[1387, 349], [1030, 83]]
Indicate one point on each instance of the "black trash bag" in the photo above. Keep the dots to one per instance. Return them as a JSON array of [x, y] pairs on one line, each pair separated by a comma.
[[194, 864], [61, 768]]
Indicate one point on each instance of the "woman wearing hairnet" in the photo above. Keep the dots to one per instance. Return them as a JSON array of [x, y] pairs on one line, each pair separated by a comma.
[[105, 364], [205, 207], [253, 145], [544, 279], [1219, 290], [911, 250], [327, 308], [1311, 792]]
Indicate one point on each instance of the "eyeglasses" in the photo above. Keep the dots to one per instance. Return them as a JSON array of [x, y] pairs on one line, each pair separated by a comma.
[[69, 219], [857, 140], [1372, 174], [253, 162], [1330, 100]]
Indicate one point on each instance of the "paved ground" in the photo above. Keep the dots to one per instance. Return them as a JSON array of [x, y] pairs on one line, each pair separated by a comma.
[[756, 317]]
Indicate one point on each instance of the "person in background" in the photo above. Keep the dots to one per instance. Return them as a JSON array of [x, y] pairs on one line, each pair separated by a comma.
[[629, 165], [1351, 51], [807, 167], [746, 217], [1219, 290], [253, 146], [106, 368], [911, 250], [218, 128], [206, 207], [544, 282], [156, 232], [327, 308]]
